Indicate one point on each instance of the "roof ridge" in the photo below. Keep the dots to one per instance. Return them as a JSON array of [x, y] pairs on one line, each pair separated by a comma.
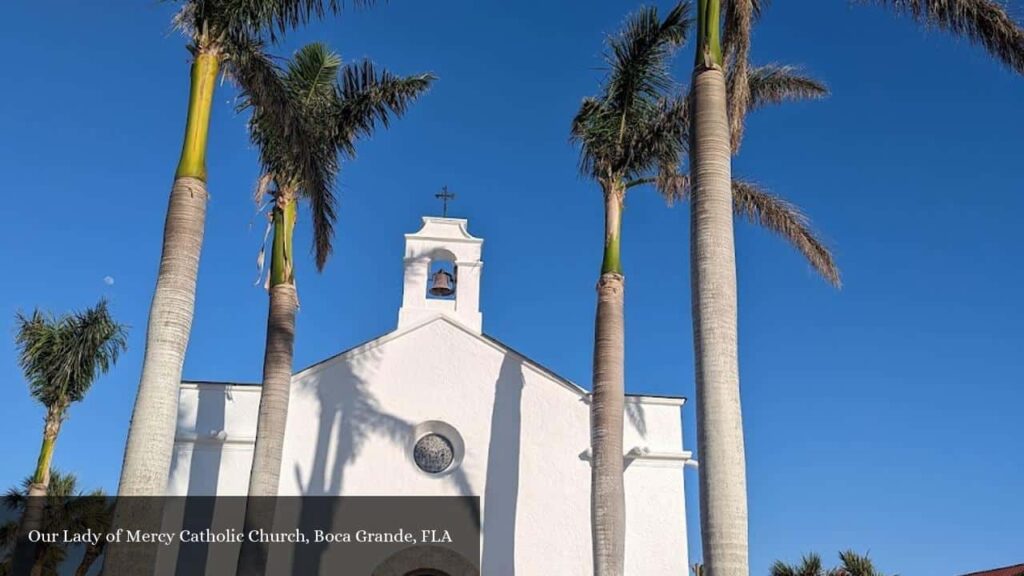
[[567, 383], [995, 570]]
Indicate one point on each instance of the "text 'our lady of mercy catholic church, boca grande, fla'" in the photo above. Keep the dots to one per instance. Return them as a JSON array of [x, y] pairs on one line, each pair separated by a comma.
[[439, 408]]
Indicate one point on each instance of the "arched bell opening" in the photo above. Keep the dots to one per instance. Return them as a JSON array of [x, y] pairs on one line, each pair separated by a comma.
[[442, 274]]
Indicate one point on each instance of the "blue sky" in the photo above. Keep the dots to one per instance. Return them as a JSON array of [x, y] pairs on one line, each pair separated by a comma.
[[883, 417]]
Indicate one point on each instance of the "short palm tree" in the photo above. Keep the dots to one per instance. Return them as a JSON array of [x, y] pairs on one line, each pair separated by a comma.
[[65, 508], [341, 111], [810, 565], [719, 99], [61, 358], [627, 136], [851, 564], [226, 35]]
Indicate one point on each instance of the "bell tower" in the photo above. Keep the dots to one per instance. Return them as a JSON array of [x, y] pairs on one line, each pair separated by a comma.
[[442, 273]]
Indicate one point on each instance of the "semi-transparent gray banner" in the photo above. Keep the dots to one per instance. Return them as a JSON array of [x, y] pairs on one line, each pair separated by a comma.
[[193, 536]]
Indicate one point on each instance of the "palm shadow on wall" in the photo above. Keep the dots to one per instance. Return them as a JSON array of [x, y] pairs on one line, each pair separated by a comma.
[[501, 495], [635, 413], [204, 474], [349, 414]]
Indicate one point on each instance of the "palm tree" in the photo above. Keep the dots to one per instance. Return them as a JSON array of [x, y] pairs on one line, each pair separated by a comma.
[[61, 358], [341, 111], [65, 508], [810, 565], [718, 109], [228, 35], [851, 564], [767, 85], [627, 136]]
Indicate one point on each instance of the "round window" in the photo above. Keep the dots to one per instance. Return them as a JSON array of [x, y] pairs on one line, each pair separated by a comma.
[[433, 453]]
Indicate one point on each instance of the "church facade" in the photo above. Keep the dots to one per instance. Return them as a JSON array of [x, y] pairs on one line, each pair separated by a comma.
[[437, 407]]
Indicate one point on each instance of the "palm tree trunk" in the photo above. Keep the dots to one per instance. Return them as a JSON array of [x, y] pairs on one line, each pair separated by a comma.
[[151, 434], [51, 429], [277, 375], [723, 494], [40, 563], [607, 496], [92, 553], [147, 456], [32, 518]]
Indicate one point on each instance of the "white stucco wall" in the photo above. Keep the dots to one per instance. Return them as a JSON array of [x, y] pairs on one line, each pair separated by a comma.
[[351, 429]]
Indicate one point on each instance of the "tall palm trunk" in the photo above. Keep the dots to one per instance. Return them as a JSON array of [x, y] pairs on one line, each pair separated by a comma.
[[32, 518], [277, 359], [723, 492], [277, 374], [607, 496], [147, 458]]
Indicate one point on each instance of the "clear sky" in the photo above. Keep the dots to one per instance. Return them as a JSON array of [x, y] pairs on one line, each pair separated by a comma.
[[883, 417]]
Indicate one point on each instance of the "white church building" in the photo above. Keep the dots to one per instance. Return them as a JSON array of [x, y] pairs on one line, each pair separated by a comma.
[[438, 407]]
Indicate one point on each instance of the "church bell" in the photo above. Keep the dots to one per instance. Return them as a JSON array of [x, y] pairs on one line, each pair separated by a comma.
[[442, 284]]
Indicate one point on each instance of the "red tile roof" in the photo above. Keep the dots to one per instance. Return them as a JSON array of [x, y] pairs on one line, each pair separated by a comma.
[[1015, 570]]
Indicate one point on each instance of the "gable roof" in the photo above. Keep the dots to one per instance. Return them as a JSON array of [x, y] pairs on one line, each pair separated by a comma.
[[1015, 570], [488, 340]]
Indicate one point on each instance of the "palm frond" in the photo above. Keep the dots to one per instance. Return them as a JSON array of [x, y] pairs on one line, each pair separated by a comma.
[[584, 133], [312, 73], [282, 132], [312, 77], [810, 565], [662, 142], [368, 96], [185, 20], [62, 356], [673, 186], [738, 16], [739, 21], [854, 564], [768, 211], [324, 212], [780, 568], [638, 56], [309, 115], [771, 212], [364, 98], [768, 84], [259, 17], [775, 83], [984, 22], [632, 128]]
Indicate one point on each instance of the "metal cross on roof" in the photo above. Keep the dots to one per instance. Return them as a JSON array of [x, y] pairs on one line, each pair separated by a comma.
[[444, 196]]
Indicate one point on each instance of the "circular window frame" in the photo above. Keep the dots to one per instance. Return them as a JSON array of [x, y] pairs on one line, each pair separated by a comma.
[[449, 433]]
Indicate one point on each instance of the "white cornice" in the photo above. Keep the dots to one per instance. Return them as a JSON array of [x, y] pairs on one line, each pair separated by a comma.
[[647, 456]]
